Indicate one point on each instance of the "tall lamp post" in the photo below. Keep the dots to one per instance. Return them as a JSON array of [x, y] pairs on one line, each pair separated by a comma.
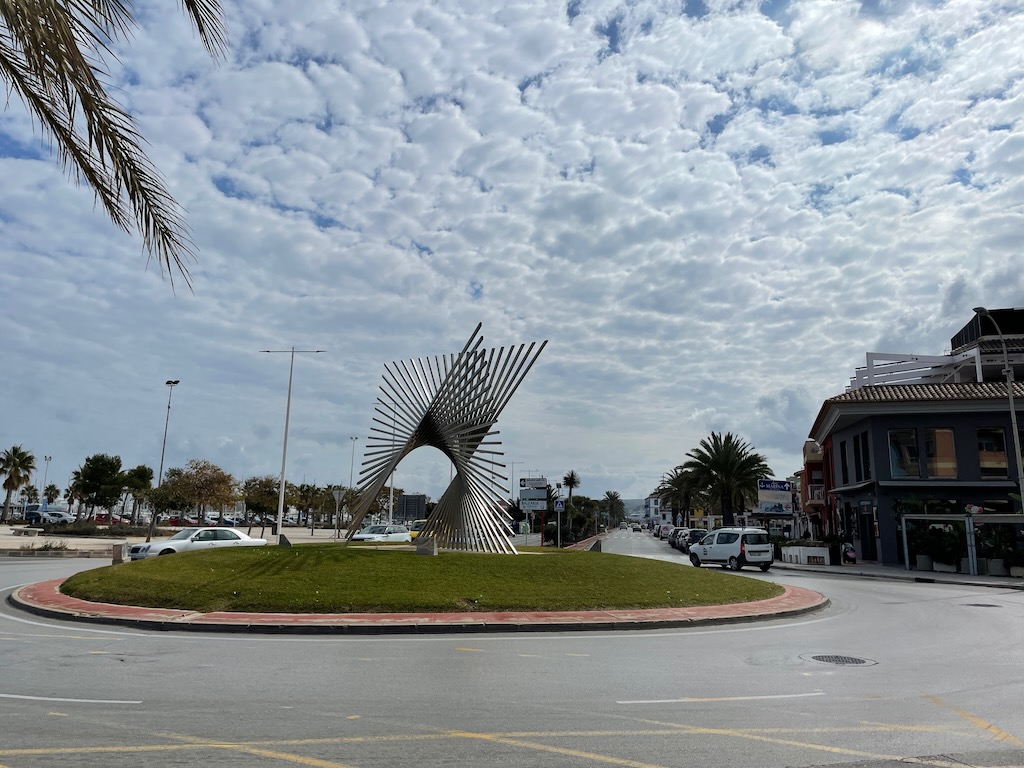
[[1008, 372], [171, 384], [352, 462], [287, 418]]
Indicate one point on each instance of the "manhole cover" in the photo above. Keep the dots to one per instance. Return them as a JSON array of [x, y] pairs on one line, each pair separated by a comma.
[[983, 605], [841, 660]]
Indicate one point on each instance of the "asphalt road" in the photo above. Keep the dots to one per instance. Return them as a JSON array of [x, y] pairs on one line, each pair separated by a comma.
[[924, 669]]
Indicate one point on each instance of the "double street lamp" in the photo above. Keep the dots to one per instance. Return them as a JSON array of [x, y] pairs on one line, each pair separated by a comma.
[[1008, 372], [171, 384]]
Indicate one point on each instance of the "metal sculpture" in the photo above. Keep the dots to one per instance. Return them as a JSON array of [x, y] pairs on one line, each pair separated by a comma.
[[450, 402]]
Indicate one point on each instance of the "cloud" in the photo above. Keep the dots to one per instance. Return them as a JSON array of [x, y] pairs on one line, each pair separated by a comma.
[[711, 213]]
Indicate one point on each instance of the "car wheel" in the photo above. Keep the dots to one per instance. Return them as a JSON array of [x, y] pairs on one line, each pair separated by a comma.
[[694, 560], [765, 566], [735, 564], [167, 552]]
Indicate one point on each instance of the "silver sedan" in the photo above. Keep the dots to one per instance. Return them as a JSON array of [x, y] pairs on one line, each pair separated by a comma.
[[192, 539]]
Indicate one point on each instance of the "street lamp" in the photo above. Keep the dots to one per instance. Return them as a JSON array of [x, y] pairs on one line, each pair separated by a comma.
[[287, 417], [352, 462], [1008, 372], [46, 472], [171, 384]]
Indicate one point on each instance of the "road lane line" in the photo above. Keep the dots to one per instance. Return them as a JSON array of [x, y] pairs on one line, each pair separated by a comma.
[[995, 730], [65, 701], [695, 699], [592, 756]]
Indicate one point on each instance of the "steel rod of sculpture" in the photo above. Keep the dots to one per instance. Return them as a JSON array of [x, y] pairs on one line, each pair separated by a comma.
[[452, 403]]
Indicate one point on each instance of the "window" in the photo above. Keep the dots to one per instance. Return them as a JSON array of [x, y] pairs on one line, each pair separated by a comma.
[[992, 452], [843, 468], [225, 535], [940, 453], [858, 470], [727, 538], [903, 460], [865, 456]]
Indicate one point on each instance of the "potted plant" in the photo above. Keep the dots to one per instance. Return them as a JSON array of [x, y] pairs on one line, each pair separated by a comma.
[[944, 547], [1001, 543]]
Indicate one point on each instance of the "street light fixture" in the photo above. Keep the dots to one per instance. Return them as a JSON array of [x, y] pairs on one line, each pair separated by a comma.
[[1008, 372], [287, 418], [171, 384]]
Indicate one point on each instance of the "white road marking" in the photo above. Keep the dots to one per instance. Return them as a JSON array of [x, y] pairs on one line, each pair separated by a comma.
[[66, 701], [722, 698]]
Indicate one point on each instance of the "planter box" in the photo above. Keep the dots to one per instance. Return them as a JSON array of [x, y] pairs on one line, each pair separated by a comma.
[[997, 567], [944, 567], [1017, 570], [924, 562], [805, 555]]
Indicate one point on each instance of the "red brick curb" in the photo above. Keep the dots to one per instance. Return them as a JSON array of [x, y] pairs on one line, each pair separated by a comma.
[[46, 599]]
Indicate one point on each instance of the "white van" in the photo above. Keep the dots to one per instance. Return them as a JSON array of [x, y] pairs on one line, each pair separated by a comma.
[[734, 548]]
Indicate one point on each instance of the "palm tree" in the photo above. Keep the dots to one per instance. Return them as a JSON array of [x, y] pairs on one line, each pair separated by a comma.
[[51, 492], [55, 54], [614, 506], [677, 491], [17, 466], [727, 469], [571, 481]]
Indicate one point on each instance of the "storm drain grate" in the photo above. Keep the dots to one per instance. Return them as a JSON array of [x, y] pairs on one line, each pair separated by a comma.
[[841, 660]]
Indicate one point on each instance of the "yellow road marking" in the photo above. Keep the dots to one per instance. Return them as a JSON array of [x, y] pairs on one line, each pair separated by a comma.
[[471, 650], [577, 654], [491, 737], [287, 757], [999, 733]]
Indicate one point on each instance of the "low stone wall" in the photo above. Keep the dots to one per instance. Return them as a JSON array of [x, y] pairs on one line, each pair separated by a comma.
[[805, 555]]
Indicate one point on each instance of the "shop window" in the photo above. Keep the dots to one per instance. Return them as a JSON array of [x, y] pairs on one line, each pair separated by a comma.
[[865, 456], [903, 457], [843, 466], [940, 453], [992, 452], [858, 468]]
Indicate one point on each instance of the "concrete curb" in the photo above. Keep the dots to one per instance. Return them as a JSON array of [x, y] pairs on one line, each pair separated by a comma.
[[45, 599]]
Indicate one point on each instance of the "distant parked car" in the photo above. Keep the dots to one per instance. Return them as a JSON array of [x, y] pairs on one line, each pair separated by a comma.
[[383, 533], [193, 539], [692, 537], [416, 527]]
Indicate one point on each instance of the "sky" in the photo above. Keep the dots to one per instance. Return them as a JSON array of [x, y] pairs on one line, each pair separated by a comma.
[[711, 211]]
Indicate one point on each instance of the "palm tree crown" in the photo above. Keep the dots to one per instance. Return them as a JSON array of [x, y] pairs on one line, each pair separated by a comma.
[[54, 55], [17, 466], [571, 481], [727, 469]]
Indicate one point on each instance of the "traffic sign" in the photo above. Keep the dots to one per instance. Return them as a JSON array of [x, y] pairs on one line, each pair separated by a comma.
[[533, 482], [534, 494], [559, 505], [531, 505]]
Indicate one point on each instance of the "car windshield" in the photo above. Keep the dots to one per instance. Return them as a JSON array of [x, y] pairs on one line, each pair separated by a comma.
[[185, 533]]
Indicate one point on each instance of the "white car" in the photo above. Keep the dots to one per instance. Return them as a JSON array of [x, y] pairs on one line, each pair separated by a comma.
[[734, 548], [383, 533], [193, 539]]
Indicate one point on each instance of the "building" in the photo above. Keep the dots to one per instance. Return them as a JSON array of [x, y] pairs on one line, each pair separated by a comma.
[[929, 434], [411, 506]]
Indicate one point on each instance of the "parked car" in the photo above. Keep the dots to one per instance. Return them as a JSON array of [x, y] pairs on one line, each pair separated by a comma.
[[665, 530], [416, 527], [622, 526], [674, 535], [692, 537], [49, 517], [734, 548], [193, 539], [383, 533]]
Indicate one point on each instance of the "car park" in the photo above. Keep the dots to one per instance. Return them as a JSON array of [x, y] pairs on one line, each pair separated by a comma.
[[194, 539], [383, 533], [733, 548]]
